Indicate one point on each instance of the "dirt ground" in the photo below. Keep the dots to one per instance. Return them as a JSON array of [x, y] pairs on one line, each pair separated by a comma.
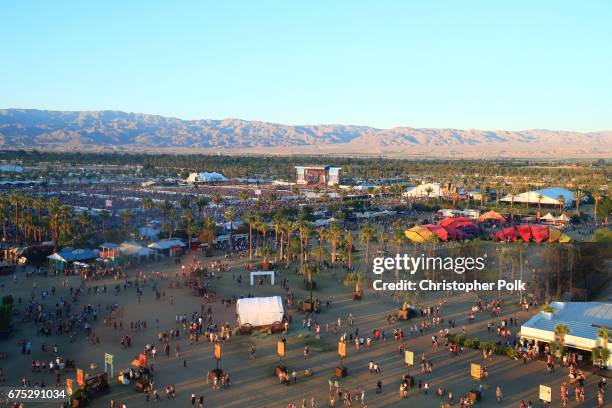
[[253, 383]]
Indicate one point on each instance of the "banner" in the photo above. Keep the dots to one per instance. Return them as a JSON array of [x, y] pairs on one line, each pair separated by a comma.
[[108, 358], [475, 371], [280, 348], [545, 393], [80, 377], [69, 386], [217, 351], [142, 360], [342, 349], [409, 357]]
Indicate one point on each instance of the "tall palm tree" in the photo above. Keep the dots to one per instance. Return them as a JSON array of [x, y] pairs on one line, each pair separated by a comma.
[[230, 216], [398, 238], [322, 233], [3, 216], [250, 219], [579, 197], [104, 217], [191, 230], [165, 207], [349, 239], [148, 205], [303, 227], [334, 234], [367, 235], [278, 219], [561, 330], [310, 269], [217, 198], [16, 199], [201, 202], [561, 200], [604, 335], [597, 198], [244, 196]]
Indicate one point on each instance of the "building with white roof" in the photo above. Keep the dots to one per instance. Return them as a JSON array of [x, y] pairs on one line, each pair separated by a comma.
[[425, 190], [206, 177], [545, 196], [583, 321]]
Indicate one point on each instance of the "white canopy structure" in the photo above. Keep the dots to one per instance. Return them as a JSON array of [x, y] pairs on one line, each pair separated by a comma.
[[546, 196], [206, 177], [167, 244], [425, 190], [261, 311]]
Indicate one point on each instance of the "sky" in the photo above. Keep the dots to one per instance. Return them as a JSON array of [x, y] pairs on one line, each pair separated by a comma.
[[462, 64]]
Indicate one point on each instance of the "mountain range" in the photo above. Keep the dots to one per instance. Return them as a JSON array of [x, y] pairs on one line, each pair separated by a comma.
[[122, 131]]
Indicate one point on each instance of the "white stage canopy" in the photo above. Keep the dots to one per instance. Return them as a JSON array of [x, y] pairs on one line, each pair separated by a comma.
[[260, 311]]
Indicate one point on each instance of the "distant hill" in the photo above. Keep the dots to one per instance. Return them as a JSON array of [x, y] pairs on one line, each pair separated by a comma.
[[121, 131]]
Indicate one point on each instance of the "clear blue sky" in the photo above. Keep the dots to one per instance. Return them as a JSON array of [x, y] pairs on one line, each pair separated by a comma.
[[466, 64]]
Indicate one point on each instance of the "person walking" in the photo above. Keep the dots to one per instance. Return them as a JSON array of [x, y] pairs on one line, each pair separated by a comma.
[[498, 394]]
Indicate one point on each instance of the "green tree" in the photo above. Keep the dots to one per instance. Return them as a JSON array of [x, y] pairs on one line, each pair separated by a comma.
[[310, 269], [367, 235]]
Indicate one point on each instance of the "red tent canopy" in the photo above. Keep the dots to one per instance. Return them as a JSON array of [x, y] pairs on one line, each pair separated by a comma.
[[452, 221], [539, 232], [438, 230], [524, 231], [510, 233]]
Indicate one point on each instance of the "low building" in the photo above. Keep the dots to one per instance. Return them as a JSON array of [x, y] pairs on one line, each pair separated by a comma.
[[61, 260], [317, 175], [168, 247], [583, 321]]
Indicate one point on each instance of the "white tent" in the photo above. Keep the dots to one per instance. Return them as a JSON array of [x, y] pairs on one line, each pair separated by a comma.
[[205, 177], [425, 190], [546, 196], [262, 311]]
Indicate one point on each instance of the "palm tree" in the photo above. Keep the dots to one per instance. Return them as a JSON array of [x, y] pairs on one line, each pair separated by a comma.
[[603, 334], [322, 233], [303, 227], [16, 199], [230, 216], [208, 234], [309, 269], [561, 200], [597, 199], [349, 239], [104, 217], [334, 234], [171, 215], [367, 235], [560, 331], [428, 190], [354, 279], [398, 238], [217, 198], [579, 197], [539, 197], [201, 202], [244, 196], [3, 217], [278, 219], [250, 219], [148, 205], [165, 207], [191, 230]]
